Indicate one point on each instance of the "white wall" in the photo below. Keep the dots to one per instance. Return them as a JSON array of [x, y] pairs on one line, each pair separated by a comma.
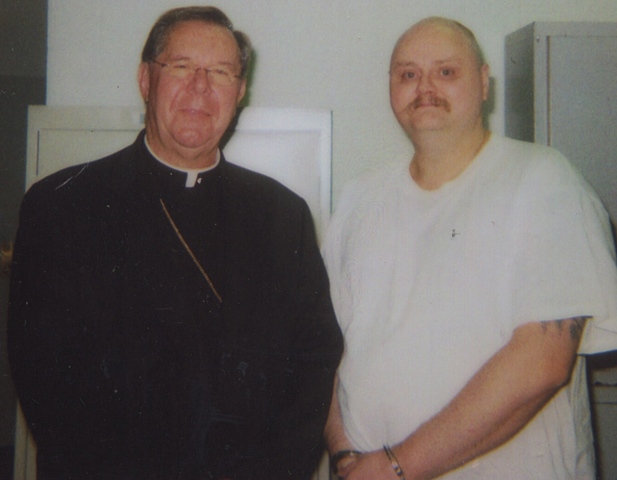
[[330, 54]]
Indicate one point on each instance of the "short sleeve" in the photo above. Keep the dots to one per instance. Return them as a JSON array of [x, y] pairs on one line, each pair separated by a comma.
[[564, 265]]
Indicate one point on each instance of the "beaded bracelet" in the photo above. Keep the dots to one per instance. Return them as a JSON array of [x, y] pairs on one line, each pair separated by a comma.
[[394, 462], [338, 456]]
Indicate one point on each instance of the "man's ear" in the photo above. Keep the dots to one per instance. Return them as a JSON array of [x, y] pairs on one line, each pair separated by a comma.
[[242, 91], [143, 80], [486, 81]]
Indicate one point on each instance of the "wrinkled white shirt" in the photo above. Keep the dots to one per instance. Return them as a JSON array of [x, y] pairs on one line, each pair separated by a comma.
[[428, 285]]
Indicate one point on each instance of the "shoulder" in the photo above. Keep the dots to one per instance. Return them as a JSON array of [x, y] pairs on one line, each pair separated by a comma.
[[89, 176], [364, 205], [75, 189], [381, 176], [372, 189], [265, 215], [258, 188], [543, 180], [535, 160], [535, 168]]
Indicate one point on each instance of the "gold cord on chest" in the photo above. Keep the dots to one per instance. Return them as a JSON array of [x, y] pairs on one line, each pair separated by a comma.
[[189, 251]]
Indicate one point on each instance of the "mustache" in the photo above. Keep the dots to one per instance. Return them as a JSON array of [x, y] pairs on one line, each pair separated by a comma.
[[431, 100]]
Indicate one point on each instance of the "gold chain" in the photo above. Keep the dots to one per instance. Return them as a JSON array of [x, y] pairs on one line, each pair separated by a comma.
[[190, 252]]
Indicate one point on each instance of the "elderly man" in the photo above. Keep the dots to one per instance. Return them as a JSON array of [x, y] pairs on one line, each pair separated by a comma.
[[170, 313], [467, 283]]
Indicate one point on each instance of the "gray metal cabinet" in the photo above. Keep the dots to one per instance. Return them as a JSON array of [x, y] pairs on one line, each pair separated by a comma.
[[561, 90]]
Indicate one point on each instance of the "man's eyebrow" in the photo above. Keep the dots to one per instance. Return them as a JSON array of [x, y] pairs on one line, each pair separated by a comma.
[[178, 58], [447, 60], [184, 58], [226, 62], [404, 64], [411, 63]]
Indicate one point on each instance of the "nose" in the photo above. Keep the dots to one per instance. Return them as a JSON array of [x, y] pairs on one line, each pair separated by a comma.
[[201, 81], [425, 84]]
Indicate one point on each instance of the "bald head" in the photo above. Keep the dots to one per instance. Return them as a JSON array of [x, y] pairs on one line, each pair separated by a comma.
[[438, 80], [464, 33]]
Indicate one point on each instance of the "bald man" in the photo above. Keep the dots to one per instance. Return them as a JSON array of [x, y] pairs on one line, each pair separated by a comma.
[[468, 283]]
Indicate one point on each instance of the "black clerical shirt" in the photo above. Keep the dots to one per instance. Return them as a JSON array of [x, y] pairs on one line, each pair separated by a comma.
[[128, 364]]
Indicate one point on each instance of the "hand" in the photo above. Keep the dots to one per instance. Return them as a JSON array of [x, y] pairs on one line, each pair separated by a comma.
[[370, 466], [344, 466]]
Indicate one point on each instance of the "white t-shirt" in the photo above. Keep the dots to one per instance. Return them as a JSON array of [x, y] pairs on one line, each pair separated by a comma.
[[428, 285]]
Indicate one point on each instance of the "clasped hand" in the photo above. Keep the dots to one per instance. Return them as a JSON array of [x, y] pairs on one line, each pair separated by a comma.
[[369, 466]]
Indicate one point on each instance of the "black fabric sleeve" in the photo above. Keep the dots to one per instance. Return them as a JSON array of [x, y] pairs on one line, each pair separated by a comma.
[[42, 333], [295, 445], [50, 345]]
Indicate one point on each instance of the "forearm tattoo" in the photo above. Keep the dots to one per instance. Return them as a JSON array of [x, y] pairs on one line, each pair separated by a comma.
[[576, 326]]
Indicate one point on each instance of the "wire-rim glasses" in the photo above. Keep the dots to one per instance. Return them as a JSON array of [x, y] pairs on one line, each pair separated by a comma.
[[219, 75]]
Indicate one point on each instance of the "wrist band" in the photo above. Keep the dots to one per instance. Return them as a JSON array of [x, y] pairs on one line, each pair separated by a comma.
[[394, 462], [338, 456]]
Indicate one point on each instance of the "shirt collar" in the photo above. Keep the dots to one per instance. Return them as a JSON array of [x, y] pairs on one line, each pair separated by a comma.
[[192, 174]]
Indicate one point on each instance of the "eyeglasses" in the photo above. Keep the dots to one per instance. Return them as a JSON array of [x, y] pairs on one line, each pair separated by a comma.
[[184, 70]]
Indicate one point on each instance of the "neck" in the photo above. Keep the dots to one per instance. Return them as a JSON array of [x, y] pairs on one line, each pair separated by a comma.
[[440, 157], [190, 169], [179, 156]]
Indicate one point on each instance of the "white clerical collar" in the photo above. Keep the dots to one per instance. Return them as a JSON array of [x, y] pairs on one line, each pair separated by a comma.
[[192, 174]]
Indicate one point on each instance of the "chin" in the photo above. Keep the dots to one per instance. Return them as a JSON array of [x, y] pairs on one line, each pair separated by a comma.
[[193, 138], [424, 126]]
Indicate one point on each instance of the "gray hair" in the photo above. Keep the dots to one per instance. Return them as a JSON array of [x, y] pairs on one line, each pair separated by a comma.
[[159, 34]]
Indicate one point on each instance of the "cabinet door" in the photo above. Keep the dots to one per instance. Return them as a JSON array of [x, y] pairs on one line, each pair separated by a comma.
[[582, 73]]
